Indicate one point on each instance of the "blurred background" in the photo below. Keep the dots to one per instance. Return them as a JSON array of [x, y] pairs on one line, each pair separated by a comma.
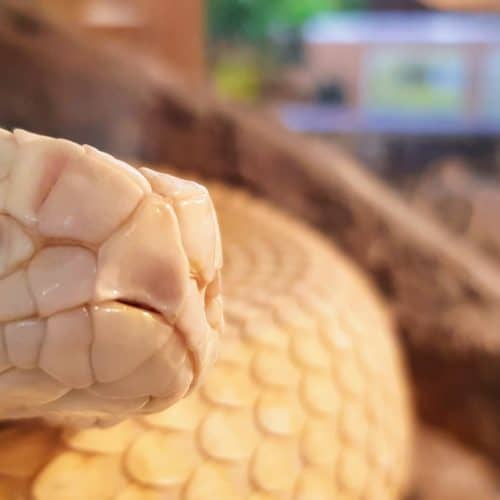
[[411, 91]]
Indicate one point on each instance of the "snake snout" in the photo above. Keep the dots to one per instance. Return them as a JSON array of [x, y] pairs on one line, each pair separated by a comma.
[[109, 282]]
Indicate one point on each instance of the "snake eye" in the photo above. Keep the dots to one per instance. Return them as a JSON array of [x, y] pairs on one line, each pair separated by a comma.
[[104, 271]]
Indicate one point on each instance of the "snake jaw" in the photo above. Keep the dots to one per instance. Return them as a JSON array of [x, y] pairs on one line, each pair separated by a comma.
[[119, 269]]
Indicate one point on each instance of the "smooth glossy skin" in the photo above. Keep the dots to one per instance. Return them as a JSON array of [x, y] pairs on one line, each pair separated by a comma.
[[104, 307], [308, 400]]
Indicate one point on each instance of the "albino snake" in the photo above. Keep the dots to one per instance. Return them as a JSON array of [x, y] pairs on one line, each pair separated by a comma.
[[111, 312]]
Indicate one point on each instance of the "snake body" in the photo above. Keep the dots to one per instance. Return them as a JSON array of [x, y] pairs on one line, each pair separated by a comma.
[[307, 399]]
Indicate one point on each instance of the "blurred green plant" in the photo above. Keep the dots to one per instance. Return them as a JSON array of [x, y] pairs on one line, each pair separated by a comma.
[[251, 38], [253, 20], [237, 78]]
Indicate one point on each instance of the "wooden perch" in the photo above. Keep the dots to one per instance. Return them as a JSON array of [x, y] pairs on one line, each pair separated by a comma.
[[445, 295]]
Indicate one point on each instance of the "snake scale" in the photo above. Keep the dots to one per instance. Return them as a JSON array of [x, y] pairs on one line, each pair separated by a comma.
[[111, 311]]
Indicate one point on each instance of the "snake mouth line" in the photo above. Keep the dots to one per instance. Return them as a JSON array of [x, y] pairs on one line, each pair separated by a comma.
[[141, 305], [192, 355], [152, 310]]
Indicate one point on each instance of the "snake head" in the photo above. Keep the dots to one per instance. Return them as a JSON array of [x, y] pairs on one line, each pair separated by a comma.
[[110, 299]]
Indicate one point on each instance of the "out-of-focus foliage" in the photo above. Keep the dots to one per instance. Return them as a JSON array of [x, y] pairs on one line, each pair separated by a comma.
[[237, 78], [253, 20]]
